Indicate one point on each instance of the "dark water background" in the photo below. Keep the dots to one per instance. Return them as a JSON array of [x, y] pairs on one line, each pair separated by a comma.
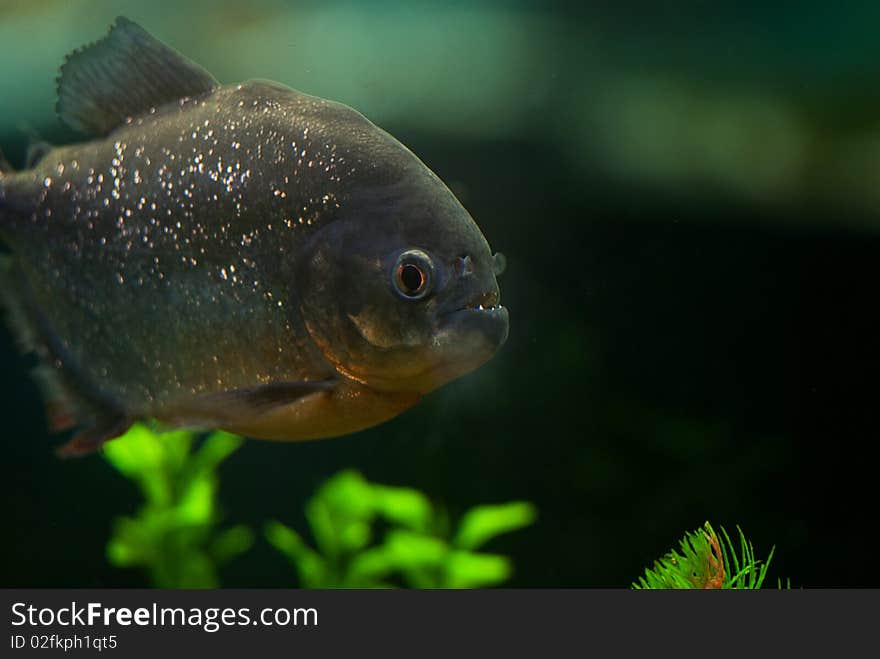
[[688, 201]]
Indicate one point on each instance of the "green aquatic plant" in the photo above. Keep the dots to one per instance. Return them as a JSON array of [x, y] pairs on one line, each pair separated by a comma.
[[366, 535], [175, 533], [369, 535], [705, 560]]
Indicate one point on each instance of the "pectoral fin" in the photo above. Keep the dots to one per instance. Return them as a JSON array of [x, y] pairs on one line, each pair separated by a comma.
[[267, 396], [237, 407]]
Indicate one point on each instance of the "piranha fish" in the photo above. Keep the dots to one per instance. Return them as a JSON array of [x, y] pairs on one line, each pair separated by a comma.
[[244, 257]]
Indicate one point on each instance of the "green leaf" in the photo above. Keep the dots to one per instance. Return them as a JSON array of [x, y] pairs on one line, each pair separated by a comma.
[[409, 550], [323, 526], [369, 567], [342, 517], [285, 540], [217, 446], [348, 494], [404, 506], [696, 564], [354, 535], [340, 514], [152, 460], [196, 504], [134, 541], [173, 534], [120, 553], [231, 543], [309, 564], [176, 445], [136, 452], [195, 570], [482, 523], [466, 569]]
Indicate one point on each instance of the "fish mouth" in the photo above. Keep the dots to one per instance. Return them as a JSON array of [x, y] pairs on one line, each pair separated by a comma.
[[485, 302], [482, 316]]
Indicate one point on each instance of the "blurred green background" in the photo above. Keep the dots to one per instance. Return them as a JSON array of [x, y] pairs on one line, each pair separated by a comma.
[[688, 195]]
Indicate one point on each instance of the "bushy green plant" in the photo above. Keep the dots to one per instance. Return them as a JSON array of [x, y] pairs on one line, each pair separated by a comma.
[[369, 535], [704, 560], [175, 533]]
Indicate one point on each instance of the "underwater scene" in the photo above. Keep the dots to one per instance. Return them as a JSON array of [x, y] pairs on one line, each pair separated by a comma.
[[381, 294]]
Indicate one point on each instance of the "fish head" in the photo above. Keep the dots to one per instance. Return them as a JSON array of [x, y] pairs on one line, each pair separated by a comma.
[[400, 292]]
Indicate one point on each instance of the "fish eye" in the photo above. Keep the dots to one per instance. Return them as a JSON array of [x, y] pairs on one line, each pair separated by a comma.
[[413, 274]]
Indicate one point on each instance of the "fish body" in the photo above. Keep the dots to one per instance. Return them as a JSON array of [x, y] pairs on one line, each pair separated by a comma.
[[246, 257]]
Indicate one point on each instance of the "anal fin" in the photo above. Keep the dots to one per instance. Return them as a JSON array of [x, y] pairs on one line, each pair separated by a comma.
[[60, 408], [89, 440], [69, 396]]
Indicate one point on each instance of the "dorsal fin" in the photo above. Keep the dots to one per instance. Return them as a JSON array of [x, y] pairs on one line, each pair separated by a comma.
[[124, 75]]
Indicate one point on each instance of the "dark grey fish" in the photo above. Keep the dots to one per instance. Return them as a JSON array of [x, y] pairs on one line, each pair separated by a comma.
[[243, 257]]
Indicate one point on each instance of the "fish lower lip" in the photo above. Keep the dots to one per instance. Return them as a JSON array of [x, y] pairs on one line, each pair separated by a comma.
[[482, 326]]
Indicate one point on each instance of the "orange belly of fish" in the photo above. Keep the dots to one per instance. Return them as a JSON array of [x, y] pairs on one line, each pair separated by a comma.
[[344, 410]]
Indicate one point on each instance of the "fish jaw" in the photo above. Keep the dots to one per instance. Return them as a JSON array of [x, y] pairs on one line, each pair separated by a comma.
[[484, 329], [467, 338]]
